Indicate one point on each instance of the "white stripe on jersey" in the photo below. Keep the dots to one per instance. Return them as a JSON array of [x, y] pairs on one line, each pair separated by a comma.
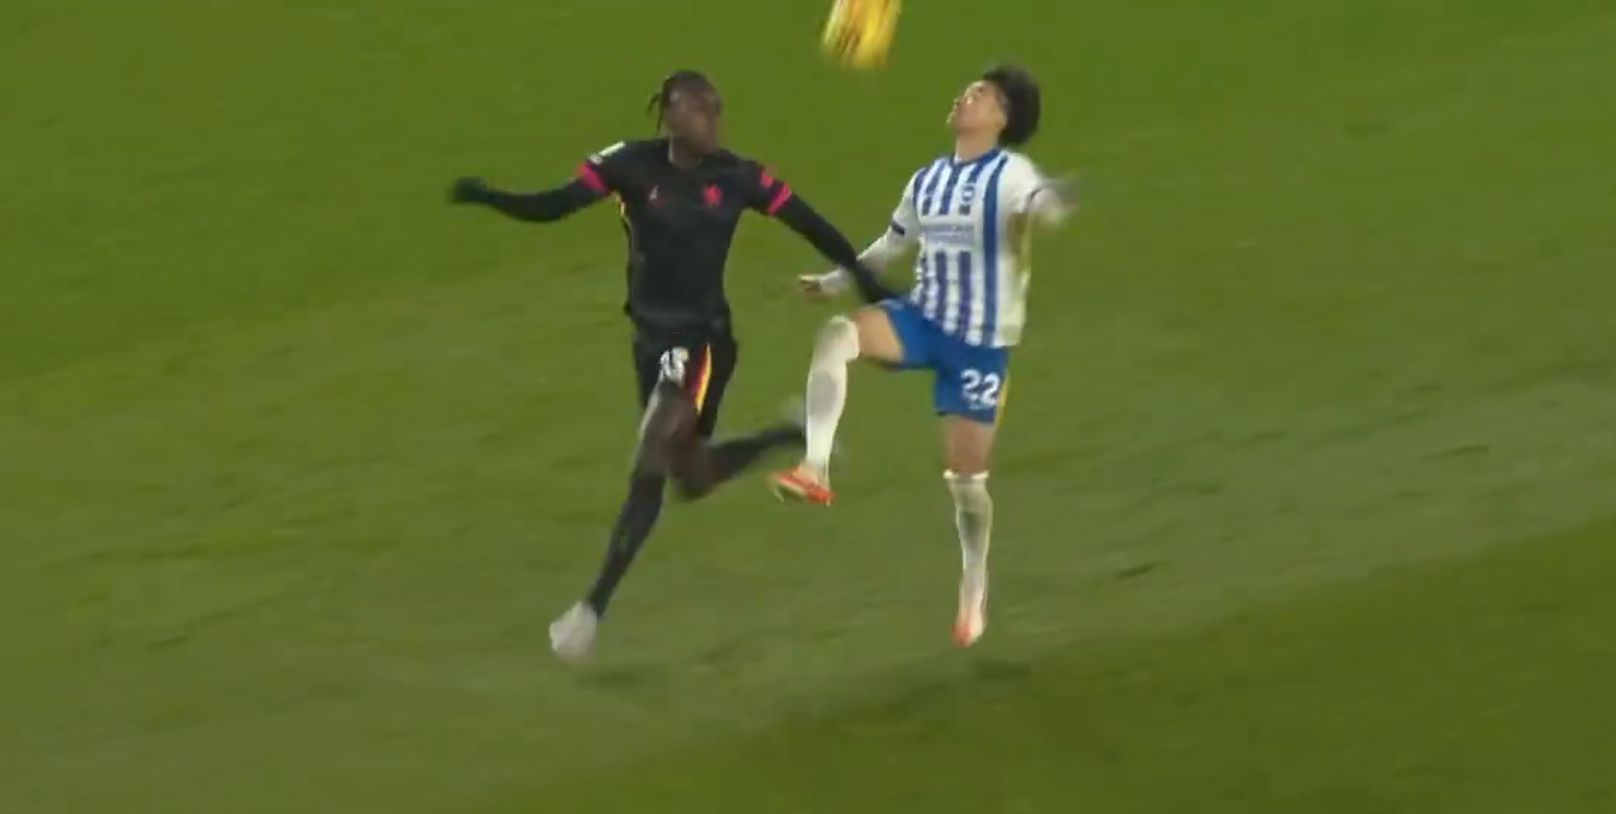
[[977, 318], [947, 264], [928, 291], [967, 277]]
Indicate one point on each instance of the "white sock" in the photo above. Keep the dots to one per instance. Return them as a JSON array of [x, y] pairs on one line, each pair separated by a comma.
[[973, 518], [827, 390]]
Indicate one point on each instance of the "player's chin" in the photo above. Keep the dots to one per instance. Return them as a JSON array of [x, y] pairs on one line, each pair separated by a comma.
[[701, 143]]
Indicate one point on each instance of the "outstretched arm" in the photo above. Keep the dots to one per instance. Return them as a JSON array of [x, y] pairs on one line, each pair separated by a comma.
[[1048, 201], [774, 198], [797, 214], [894, 243], [539, 207], [898, 240], [604, 173], [891, 245]]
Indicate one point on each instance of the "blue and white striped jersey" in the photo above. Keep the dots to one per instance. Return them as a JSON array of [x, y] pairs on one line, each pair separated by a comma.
[[970, 221]]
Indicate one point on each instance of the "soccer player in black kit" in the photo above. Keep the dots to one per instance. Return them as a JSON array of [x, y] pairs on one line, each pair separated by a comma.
[[682, 197]]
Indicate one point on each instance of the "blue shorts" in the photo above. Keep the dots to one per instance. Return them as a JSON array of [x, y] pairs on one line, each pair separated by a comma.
[[970, 380]]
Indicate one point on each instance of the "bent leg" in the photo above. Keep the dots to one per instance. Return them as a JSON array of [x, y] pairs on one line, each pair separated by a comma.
[[704, 467], [868, 334]]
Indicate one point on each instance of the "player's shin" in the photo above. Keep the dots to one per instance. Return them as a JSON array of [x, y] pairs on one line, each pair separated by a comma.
[[838, 345], [668, 423], [973, 519], [634, 523]]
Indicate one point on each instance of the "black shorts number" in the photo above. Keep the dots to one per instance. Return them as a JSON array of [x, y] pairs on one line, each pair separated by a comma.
[[701, 367]]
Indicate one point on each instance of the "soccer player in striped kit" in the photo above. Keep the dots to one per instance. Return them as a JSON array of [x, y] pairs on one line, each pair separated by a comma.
[[969, 216]]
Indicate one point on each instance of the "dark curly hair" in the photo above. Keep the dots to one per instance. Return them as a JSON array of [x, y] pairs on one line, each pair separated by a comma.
[[678, 80], [1023, 105]]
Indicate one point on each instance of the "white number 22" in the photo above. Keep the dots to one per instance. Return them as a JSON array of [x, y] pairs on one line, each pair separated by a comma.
[[981, 390]]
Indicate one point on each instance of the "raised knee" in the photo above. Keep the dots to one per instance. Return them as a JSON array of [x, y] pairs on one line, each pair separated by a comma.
[[838, 341]]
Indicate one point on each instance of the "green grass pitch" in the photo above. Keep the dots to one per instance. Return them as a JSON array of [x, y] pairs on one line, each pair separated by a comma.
[[1307, 495]]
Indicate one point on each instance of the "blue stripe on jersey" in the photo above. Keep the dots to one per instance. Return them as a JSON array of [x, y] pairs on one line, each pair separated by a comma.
[[913, 187], [929, 186], [970, 183], [948, 191], [923, 293], [937, 303], [964, 328], [936, 198], [912, 191], [990, 258]]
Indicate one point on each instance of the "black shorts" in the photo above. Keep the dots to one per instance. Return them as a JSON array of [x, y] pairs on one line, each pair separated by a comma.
[[701, 365]]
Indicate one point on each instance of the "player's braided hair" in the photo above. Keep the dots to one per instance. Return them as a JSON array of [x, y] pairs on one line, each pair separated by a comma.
[[682, 79], [1022, 103]]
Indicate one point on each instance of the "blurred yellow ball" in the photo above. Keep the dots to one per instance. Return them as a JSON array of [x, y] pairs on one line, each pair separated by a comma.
[[859, 32]]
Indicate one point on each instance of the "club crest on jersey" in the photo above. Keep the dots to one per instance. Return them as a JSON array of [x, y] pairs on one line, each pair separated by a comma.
[[967, 194], [651, 198], [713, 196]]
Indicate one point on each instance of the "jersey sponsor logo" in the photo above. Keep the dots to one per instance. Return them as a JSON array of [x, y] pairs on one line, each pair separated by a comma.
[[954, 234]]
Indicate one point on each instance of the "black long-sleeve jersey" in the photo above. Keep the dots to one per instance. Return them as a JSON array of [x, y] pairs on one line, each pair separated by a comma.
[[680, 223]]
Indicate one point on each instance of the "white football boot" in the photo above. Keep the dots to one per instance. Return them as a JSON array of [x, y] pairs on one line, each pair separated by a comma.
[[972, 618], [572, 637]]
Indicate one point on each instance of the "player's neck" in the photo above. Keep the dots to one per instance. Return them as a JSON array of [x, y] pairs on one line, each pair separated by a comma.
[[682, 158], [969, 147]]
